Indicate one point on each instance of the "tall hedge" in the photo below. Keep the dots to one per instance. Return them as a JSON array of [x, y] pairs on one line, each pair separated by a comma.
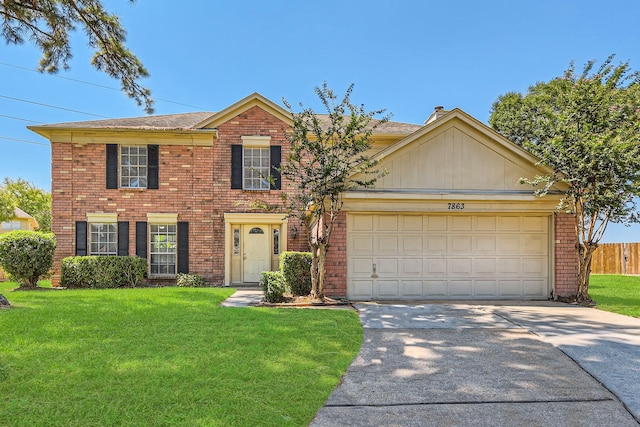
[[27, 255], [102, 271], [296, 269]]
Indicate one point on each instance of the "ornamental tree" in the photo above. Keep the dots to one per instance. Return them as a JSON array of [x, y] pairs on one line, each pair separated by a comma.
[[48, 23], [586, 128], [325, 152], [28, 197]]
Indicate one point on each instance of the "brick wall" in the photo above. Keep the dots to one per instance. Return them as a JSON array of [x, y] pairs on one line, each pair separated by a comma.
[[194, 182], [566, 260], [336, 270]]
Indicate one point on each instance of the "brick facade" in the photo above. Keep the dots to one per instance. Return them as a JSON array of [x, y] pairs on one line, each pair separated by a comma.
[[566, 258], [195, 184]]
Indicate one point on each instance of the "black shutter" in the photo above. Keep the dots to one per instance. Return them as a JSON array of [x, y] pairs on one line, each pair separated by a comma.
[[141, 239], [183, 247], [152, 166], [81, 238], [236, 166], [123, 238], [275, 156], [112, 166]]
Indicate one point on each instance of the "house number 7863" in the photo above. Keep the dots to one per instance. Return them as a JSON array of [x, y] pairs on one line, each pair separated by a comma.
[[455, 206]]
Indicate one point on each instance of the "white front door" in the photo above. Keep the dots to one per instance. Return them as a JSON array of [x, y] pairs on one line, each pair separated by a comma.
[[256, 256]]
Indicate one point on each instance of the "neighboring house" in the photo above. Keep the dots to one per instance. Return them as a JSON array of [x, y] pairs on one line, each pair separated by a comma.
[[450, 220], [20, 221]]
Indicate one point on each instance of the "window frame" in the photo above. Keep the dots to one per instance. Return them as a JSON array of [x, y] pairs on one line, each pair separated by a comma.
[[142, 170], [171, 254], [111, 239], [11, 225], [260, 173]]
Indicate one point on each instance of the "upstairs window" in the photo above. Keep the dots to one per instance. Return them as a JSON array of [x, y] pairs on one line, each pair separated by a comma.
[[255, 168], [133, 166], [255, 164]]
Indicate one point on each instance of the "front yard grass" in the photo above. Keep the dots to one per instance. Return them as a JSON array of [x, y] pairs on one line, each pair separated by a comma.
[[616, 293], [166, 356]]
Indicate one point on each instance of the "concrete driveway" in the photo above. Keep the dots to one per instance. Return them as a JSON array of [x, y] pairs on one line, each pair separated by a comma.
[[493, 364]]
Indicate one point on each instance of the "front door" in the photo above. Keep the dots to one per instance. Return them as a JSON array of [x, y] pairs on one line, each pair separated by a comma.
[[256, 256]]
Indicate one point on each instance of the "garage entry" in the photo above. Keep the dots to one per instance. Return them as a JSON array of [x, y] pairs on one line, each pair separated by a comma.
[[439, 256]]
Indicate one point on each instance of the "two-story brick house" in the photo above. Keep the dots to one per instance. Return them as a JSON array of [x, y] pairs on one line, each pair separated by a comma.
[[450, 220]]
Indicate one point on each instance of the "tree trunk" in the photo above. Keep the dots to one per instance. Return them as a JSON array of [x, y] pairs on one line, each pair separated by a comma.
[[322, 260], [314, 272], [585, 255]]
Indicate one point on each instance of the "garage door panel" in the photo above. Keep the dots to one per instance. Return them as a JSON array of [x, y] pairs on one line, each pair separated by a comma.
[[362, 245], [510, 288], [361, 266], [396, 256], [436, 223], [460, 223], [411, 288], [388, 266], [361, 222], [534, 245], [412, 222], [484, 266], [411, 244], [387, 222], [361, 288], [534, 288], [388, 289], [460, 288], [485, 223], [436, 266], [534, 223], [386, 244], [460, 267], [484, 244], [460, 244], [435, 288], [509, 244], [486, 288], [411, 266], [435, 244]]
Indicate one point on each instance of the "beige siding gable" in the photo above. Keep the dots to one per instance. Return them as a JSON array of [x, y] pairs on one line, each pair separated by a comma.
[[456, 157]]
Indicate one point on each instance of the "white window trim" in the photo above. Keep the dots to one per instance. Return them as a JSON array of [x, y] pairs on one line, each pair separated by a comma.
[[162, 218], [256, 141]]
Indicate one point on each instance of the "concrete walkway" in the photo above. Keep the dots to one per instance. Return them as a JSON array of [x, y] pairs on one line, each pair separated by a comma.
[[502, 364]]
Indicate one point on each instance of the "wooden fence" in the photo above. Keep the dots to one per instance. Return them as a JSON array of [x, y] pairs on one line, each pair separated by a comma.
[[616, 258]]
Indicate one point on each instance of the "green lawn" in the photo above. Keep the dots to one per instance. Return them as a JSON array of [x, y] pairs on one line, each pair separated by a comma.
[[166, 356], [618, 294]]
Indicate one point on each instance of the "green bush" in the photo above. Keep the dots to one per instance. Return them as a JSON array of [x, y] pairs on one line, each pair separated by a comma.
[[102, 271], [190, 280], [27, 255], [273, 286], [296, 269]]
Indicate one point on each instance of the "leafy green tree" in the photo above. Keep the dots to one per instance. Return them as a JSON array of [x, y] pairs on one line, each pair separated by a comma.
[[48, 23], [26, 196], [325, 152], [586, 127]]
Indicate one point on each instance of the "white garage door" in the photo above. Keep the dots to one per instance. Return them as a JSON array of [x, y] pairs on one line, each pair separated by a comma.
[[447, 256]]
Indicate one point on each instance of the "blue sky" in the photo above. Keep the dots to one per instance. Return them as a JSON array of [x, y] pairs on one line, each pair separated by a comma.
[[404, 56]]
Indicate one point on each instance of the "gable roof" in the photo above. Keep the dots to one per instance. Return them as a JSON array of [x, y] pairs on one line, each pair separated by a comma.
[[204, 120]]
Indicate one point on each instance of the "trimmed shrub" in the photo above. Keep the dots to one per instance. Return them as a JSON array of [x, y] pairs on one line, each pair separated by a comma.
[[296, 269], [273, 286], [102, 271], [27, 255], [189, 280]]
